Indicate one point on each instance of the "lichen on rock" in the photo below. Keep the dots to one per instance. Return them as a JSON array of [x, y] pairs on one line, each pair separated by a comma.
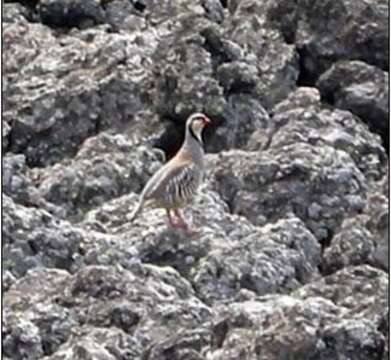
[[290, 260]]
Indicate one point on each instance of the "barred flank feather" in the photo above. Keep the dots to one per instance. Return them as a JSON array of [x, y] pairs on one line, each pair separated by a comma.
[[183, 186]]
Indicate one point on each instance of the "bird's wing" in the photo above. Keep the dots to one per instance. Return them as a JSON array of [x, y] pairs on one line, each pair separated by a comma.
[[169, 177], [184, 182]]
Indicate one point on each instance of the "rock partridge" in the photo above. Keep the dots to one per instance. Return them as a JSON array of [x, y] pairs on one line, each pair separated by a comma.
[[174, 185]]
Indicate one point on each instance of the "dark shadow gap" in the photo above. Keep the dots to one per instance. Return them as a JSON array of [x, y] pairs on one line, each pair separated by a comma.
[[306, 77]]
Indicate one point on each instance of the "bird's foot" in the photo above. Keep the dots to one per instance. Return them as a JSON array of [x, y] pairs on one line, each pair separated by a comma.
[[177, 223], [174, 224], [187, 229]]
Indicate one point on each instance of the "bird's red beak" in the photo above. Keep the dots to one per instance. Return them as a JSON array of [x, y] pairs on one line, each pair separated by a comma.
[[206, 120]]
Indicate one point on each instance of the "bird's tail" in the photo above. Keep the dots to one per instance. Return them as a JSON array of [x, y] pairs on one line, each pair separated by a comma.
[[136, 211]]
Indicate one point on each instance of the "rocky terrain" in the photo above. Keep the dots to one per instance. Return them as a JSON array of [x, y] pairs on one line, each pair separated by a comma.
[[291, 258]]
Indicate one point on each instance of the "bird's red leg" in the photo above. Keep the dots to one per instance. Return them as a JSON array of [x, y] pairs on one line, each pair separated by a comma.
[[182, 221], [171, 221]]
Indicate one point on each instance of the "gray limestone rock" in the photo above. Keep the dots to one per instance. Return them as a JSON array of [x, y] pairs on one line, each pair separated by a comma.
[[105, 167], [16, 183], [321, 324], [327, 31], [302, 118], [289, 259], [361, 89], [264, 48], [35, 238], [244, 116], [66, 90], [16, 12], [275, 258], [352, 245], [266, 186]]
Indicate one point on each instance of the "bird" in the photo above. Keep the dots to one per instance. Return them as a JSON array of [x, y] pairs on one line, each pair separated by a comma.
[[175, 184]]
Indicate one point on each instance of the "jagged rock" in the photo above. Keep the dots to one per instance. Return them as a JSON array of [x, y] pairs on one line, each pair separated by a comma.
[[142, 286], [359, 290], [226, 255], [283, 327], [237, 76], [244, 116], [275, 258], [283, 15], [106, 166], [362, 24], [290, 256], [37, 286], [19, 184], [141, 305], [6, 129], [187, 345], [360, 88], [327, 31], [15, 182], [364, 238], [214, 10], [22, 46], [344, 308], [164, 13], [8, 280], [223, 66], [272, 328], [22, 341], [120, 14], [69, 89], [352, 245], [377, 221], [319, 184], [223, 50], [348, 336], [150, 239], [98, 343], [276, 61], [301, 118], [185, 85], [16, 12], [33, 237], [32, 328]]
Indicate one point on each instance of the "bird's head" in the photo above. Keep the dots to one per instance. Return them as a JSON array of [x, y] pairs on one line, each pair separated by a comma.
[[196, 123]]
